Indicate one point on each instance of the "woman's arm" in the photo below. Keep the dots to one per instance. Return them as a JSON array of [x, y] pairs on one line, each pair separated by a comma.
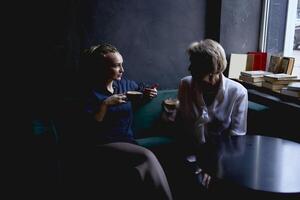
[[112, 100], [99, 115], [239, 116]]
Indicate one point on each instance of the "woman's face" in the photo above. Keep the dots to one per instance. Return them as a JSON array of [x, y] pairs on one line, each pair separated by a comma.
[[207, 80], [210, 81], [114, 64]]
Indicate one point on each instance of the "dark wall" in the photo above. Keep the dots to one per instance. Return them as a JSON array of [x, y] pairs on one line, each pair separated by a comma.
[[240, 25], [152, 36]]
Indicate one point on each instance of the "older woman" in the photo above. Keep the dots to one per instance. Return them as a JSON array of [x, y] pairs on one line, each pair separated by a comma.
[[210, 103]]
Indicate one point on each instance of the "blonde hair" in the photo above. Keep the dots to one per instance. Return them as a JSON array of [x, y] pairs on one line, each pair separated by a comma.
[[208, 54]]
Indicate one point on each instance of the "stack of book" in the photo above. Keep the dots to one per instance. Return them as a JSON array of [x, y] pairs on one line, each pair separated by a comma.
[[251, 61], [257, 61], [281, 64], [253, 77], [276, 82], [292, 89]]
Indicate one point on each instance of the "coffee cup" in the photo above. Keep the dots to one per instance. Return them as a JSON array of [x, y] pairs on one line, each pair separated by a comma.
[[171, 103], [134, 95]]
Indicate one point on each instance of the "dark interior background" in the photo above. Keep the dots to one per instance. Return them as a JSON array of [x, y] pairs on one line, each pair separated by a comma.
[[152, 36]]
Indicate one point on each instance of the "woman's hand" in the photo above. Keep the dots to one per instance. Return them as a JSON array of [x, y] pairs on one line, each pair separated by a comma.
[[203, 177], [206, 180], [115, 99], [150, 92]]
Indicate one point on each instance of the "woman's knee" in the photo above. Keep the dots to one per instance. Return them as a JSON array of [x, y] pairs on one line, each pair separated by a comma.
[[150, 157], [144, 153], [132, 152]]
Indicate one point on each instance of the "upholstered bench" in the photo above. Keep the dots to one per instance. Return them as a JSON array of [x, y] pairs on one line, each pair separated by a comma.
[[148, 127], [150, 131]]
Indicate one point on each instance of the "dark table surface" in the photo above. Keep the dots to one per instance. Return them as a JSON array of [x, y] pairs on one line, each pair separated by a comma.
[[256, 162]]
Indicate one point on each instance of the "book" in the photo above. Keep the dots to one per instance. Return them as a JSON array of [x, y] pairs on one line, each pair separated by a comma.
[[275, 64], [294, 86], [259, 84], [251, 79], [237, 64], [293, 93], [274, 87], [274, 81], [256, 73], [257, 61], [281, 64], [287, 65], [281, 76], [250, 62]]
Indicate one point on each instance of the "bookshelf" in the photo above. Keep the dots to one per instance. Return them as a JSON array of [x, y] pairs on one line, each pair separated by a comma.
[[270, 98]]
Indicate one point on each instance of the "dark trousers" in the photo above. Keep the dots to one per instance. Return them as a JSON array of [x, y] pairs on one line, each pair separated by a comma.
[[144, 172]]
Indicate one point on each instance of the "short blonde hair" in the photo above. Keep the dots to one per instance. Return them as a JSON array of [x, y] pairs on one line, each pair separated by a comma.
[[207, 54]]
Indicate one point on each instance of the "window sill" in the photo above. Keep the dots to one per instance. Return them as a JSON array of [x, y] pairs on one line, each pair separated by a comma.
[[270, 98]]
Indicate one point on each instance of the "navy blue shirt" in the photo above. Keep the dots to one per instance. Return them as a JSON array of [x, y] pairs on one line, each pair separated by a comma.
[[116, 125]]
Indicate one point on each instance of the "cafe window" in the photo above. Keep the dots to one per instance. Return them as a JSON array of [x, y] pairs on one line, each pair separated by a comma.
[[296, 43], [280, 29]]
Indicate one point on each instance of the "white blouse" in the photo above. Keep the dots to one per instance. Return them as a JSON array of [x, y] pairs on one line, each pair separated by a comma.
[[227, 112]]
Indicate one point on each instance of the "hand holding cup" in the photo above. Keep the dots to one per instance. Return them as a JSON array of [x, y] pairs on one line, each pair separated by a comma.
[[115, 99]]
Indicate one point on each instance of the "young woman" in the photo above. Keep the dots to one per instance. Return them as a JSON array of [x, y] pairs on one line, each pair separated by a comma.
[[111, 118]]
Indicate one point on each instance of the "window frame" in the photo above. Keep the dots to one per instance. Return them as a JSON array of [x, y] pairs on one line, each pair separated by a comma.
[[290, 27]]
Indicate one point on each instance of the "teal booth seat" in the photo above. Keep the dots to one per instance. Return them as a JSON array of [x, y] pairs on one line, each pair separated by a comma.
[[147, 125], [257, 107], [257, 115], [149, 130]]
